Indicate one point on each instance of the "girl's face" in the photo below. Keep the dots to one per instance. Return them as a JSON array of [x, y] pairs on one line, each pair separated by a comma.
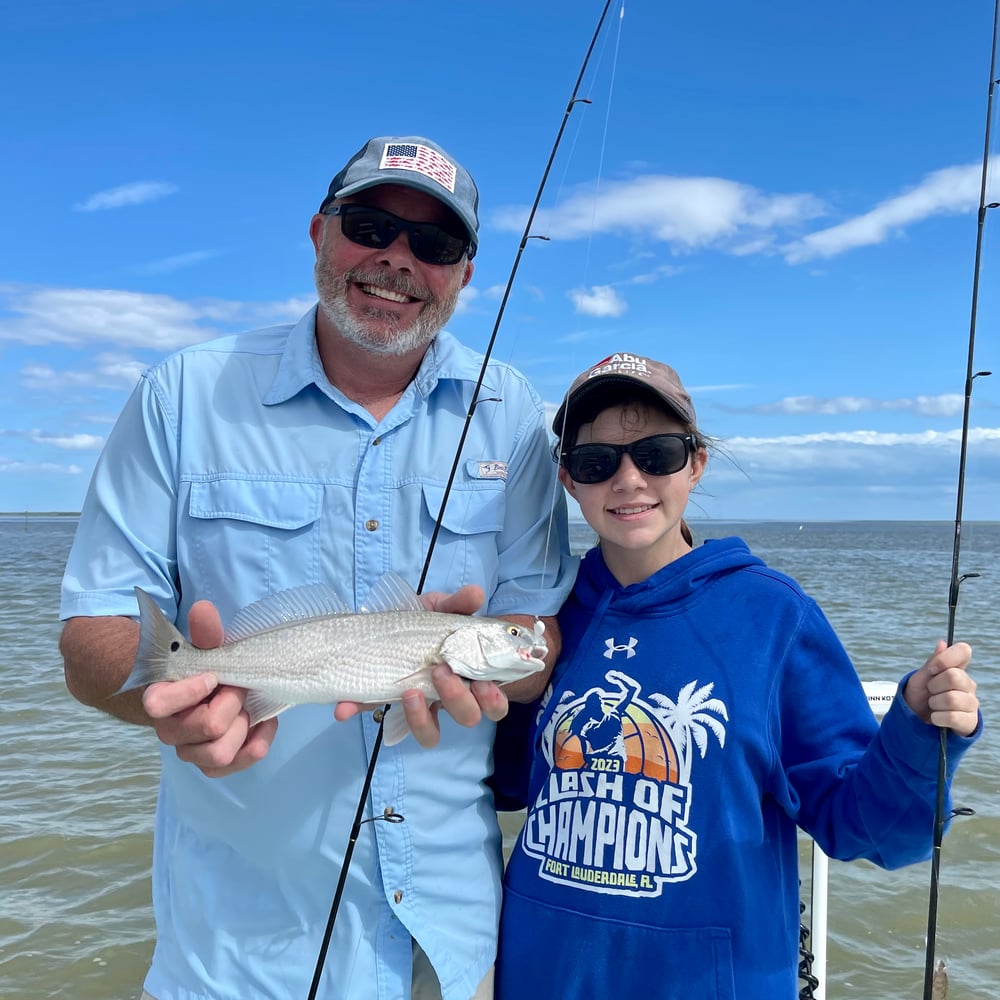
[[637, 516]]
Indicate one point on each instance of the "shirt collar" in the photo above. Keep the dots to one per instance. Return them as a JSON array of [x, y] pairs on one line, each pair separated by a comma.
[[300, 364]]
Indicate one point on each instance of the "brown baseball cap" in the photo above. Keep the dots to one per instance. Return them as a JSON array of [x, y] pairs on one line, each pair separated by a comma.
[[628, 371]]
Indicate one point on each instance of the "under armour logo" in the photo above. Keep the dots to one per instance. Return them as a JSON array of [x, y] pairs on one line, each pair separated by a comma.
[[628, 648]]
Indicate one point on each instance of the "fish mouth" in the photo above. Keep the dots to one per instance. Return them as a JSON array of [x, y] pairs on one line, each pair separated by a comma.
[[539, 648]]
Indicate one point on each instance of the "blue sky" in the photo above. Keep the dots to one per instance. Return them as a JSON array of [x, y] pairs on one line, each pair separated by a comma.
[[779, 199]]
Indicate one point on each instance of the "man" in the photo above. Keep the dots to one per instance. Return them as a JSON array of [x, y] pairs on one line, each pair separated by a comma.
[[319, 452]]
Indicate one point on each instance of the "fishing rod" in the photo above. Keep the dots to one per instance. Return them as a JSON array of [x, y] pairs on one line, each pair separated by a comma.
[[956, 579], [389, 815]]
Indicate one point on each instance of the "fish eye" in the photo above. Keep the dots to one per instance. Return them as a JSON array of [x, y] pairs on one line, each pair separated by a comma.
[[514, 630]]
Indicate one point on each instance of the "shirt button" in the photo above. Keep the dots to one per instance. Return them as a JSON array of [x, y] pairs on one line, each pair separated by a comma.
[[398, 895], [376, 441], [378, 715], [372, 524]]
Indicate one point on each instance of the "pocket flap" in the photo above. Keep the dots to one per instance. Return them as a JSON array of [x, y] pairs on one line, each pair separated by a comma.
[[468, 511], [285, 504]]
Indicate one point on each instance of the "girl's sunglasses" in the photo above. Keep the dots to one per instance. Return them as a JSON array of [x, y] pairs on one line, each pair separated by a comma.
[[376, 228], [659, 455]]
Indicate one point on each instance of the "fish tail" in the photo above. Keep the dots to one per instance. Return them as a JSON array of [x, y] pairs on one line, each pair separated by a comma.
[[159, 642]]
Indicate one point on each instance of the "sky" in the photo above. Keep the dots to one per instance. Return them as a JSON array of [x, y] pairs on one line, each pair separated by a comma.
[[779, 199]]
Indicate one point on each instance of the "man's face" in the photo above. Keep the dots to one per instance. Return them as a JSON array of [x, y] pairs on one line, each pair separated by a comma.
[[386, 301]]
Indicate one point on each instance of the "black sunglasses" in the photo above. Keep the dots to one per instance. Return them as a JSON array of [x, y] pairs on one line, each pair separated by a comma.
[[659, 455], [376, 228]]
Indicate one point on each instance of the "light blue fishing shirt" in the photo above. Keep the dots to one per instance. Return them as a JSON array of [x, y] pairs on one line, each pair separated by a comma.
[[235, 471]]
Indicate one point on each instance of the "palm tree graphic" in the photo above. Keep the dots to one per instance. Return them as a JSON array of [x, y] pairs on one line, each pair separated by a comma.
[[689, 721]]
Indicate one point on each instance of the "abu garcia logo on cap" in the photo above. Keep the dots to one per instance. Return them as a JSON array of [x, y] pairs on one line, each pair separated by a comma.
[[625, 364]]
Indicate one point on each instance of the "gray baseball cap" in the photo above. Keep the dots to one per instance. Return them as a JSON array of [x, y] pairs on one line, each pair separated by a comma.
[[414, 162], [626, 370]]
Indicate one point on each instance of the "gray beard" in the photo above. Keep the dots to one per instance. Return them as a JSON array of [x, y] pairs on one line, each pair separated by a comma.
[[397, 340]]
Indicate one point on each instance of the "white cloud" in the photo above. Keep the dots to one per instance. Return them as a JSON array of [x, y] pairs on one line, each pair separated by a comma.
[[104, 371], [600, 300], [693, 213], [495, 292], [867, 439], [943, 192], [68, 442], [12, 467], [863, 455], [79, 317], [466, 300], [685, 212], [945, 405], [137, 193]]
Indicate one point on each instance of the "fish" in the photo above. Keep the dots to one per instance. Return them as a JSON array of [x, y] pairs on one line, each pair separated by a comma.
[[305, 645], [939, 981]]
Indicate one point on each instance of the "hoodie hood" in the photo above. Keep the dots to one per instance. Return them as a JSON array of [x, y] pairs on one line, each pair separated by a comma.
[[668, 588]]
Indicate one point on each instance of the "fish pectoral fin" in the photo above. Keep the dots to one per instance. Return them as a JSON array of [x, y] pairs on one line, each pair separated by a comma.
[[262, 706], [395, 728], [416, 679]]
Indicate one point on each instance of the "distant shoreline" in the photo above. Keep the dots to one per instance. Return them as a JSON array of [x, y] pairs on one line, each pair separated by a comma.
[[28, 514], [39, 513]]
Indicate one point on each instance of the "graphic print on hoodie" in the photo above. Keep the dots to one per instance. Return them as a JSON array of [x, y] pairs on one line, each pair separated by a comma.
[[614, 813]]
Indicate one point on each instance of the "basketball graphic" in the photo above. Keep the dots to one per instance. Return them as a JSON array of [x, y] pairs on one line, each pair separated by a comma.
[[648, 750]]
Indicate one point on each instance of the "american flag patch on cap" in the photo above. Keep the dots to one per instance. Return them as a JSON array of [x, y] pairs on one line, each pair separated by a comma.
[[423, 159]]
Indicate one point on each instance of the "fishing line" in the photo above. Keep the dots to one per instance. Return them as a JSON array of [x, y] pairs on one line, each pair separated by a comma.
[[560, 187], [956, 579], [556, 485], [366, 787], [604, 146]]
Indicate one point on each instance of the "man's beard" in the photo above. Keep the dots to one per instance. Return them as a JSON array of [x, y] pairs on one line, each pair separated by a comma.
[[388, 337]]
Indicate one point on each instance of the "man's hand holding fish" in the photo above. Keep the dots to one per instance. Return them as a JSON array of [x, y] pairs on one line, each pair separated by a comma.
[[204, 720]]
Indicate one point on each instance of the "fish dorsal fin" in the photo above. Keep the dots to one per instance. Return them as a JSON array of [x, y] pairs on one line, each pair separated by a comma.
[[391, 593], [284, 608]]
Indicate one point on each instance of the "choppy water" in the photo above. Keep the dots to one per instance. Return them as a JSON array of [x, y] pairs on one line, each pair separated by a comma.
[[77, 789]]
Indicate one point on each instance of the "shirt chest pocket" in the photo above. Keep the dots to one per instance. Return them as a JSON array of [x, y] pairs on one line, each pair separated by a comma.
[[254, 536], [468, 542]]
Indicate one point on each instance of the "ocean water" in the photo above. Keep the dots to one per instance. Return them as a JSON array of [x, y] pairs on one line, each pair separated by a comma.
[[77, 789]]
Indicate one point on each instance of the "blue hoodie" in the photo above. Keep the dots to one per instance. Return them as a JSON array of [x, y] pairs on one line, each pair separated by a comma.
[[693, 721]]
